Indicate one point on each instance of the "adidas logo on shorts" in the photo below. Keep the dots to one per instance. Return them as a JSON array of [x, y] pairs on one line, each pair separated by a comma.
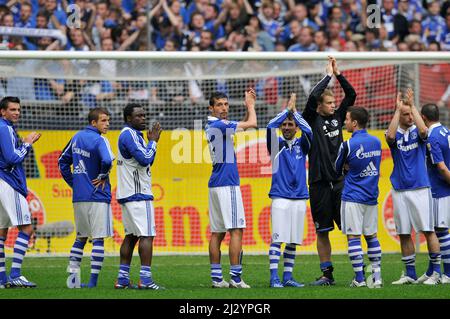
[[370, 170]]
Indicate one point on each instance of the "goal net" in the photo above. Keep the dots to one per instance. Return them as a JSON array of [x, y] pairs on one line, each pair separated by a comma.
[[57, 89]]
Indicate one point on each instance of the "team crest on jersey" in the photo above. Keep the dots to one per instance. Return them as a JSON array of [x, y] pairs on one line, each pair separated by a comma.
[[242, 221], [297, 149], [413, 135], [334, 123], [226, 122], [275, 236]]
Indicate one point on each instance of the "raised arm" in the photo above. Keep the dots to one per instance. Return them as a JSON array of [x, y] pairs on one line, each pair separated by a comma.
[[310, 111], [250, 101], [143, 155], [393, 126], [350, 93], [307, 134], [271, 132], [423, 130]]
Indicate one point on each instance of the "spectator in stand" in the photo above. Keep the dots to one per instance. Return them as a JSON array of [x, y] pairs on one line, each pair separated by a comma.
[[434, 25], [301, 15], [255, 31], [414, 9], [401, 23], [314, 13], [388, 13], [402, 46], [235, 15], [196, 27], [269, 24], [26, 19], [305, 41], [445, 40], [57, 17], [383, 37], [321, 41], [415, 27], [206, 41], [350, 46], [335, 32], [434, 46], [290, 33], [336, 13], [212, 24]]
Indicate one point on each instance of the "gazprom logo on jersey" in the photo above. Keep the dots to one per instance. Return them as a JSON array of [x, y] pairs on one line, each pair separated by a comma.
[[77, 150], [406, 148], [361, 154], [80, 168]]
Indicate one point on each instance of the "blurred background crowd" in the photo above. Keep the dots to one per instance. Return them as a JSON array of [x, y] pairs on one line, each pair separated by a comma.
[[230, 25]]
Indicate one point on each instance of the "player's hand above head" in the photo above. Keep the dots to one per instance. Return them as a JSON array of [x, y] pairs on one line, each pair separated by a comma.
[[250, 98], [410, 97], [399, 102], [291, 103], [334, 65], [329, 69], [155, 132]]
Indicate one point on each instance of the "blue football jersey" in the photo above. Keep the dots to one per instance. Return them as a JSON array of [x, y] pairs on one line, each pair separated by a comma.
[[409, 152], [219, 134], [288, 159], [438, 150], [362, 154]]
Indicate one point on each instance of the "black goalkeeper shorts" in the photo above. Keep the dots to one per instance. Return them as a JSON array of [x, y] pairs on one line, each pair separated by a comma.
[[325, 200]]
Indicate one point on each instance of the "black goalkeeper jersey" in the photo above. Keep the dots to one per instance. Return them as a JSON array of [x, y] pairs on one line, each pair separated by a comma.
[[327, 131]]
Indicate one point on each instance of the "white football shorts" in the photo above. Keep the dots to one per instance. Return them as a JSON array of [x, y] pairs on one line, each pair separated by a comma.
[[441, 212], [413, 208], [93, 219], [139, 218], [226, 210], [14, 209], [359, 219], [288, 220]]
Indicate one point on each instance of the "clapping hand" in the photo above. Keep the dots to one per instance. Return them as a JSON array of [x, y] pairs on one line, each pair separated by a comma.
[[291, 103]]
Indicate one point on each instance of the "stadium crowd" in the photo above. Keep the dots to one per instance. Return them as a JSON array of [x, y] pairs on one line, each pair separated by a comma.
[[230, 25], [203, 25]]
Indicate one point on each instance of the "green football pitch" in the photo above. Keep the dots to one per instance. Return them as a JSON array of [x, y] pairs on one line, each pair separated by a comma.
[[187, 277]]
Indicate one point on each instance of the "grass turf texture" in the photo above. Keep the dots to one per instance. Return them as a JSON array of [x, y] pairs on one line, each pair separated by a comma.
[[187, 277]]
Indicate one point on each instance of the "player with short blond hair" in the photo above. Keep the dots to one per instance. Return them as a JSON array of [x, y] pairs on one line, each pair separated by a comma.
[[325, 185]]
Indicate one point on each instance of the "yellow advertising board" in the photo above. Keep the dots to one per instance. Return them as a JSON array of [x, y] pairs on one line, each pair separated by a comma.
[[180, 176]]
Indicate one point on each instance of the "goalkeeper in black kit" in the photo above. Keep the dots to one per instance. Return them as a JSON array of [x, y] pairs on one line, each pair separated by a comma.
[[325, 184]]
